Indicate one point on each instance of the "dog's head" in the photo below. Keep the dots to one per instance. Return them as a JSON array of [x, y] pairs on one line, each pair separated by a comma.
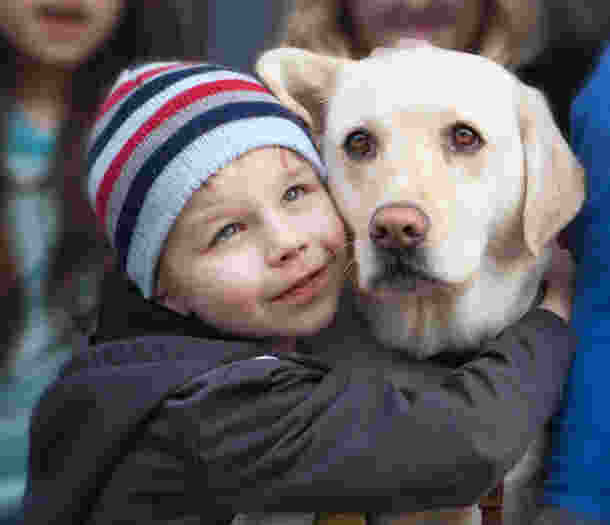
[[435, 158], [451, 175]]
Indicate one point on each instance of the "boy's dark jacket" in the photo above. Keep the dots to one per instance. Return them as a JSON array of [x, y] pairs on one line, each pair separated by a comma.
[[184, 426]]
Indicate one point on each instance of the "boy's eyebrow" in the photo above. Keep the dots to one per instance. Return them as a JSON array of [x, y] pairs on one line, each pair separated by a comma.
[[219, 209], [206, 216], [295, 172], [209, 215]]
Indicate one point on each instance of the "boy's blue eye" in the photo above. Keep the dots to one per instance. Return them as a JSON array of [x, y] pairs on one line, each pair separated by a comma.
[[294, 192], [226, 232]]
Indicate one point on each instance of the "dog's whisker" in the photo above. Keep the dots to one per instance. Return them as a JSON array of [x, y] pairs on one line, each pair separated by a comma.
[[322, 99], [344, 247], [350, 265]]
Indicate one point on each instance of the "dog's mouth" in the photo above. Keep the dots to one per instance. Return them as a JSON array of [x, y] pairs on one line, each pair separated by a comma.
[[402, 273]]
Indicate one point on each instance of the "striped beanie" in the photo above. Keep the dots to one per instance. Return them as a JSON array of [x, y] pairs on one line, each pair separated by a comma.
[[162, 131]]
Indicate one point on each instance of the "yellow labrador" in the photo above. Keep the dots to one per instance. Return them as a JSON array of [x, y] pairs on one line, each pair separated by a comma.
[[453, 178]]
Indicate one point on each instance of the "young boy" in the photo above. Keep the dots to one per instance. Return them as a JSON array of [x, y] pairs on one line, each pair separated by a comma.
[[200, 399]]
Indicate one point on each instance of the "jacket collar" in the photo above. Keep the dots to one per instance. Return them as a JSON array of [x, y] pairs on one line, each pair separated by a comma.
[[125, 314]]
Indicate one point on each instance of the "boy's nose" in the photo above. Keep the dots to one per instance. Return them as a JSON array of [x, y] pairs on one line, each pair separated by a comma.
[[281, 255], [285, 244]]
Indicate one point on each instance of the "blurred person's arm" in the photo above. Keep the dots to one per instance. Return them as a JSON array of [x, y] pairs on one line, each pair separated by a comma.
[[11, 300], [578, 465]]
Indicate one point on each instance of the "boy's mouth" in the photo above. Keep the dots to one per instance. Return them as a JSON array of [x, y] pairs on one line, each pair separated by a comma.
[[304, 288]]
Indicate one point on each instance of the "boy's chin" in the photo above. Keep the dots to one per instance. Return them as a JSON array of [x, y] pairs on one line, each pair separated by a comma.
[[314, 328], [302, 323], [307, 326]]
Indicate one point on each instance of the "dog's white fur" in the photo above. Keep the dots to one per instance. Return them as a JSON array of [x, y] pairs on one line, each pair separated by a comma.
[[493, 212]]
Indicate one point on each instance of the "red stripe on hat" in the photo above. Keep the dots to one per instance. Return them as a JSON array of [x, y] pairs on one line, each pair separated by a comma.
[[166, 111], [124, 89]]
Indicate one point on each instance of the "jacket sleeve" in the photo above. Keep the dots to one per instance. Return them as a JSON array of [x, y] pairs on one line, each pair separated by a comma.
[[280, 435]]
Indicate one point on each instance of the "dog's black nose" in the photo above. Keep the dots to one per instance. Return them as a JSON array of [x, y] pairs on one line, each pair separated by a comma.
[[399, 225]]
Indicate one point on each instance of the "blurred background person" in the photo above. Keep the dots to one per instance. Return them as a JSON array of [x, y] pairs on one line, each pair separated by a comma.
[[57, 58], [504, 30], [552, 44]]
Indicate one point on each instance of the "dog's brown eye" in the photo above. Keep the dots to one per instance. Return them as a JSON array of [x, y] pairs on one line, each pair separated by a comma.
[[360, 145], [463, 138]]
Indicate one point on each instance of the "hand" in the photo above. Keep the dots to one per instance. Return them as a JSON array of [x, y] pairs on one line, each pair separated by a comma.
[[560, 280]]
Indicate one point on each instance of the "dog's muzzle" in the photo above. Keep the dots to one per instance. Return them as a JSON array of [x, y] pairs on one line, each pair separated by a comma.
[[399, 270], [397, 226], [397, 231]]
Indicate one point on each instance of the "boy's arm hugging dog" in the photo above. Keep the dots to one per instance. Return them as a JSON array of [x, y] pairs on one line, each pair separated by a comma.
[[453, 197], [206, 391]]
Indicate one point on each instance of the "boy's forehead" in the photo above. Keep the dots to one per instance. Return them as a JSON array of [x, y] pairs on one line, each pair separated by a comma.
[[275, 157], [247, 176], [254, 169]]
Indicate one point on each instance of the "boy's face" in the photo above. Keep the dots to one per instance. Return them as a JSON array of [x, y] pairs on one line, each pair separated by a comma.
[[258, 250], [451, 24]]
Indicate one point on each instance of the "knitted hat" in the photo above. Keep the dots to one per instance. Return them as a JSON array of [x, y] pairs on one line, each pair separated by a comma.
[[162, 131]]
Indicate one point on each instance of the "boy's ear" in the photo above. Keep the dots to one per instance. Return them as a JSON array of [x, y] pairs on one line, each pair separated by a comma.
[[301, 80], [168, 298]]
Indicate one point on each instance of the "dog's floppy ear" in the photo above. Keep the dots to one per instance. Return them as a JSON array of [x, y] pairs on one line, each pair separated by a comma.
[[554, 179], [301, 80]]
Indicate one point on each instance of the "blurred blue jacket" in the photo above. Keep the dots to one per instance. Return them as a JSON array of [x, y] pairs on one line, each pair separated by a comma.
[[579, 463]]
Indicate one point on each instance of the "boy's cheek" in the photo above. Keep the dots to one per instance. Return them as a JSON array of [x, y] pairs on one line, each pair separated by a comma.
[[232, 312], [241, 298], [333, 231], [231, 285], [326, 221]]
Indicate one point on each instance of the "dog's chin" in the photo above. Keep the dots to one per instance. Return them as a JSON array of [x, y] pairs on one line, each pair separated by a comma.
[[393, 288]]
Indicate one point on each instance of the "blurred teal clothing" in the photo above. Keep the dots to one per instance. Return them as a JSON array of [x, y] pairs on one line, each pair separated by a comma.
[[18, 396], [41, 348], [579, 463]]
